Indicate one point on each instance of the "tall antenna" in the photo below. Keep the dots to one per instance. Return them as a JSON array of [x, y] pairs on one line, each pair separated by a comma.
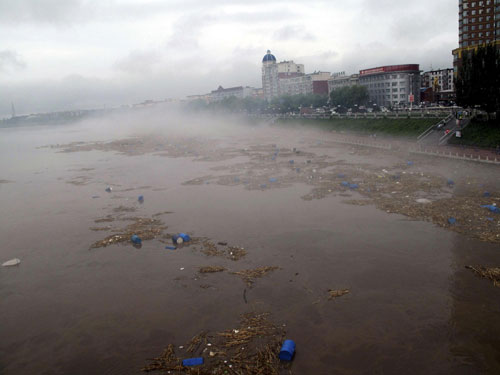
[[13, 110]]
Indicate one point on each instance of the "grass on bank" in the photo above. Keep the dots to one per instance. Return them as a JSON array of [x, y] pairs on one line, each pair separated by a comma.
[[402, 127], [479, 134]]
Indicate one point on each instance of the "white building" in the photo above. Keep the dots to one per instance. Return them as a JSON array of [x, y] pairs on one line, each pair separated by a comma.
[[441, 81], [339, 80], [269, 76], [274, 73], [238, 92], [392, 85], [313, 83]]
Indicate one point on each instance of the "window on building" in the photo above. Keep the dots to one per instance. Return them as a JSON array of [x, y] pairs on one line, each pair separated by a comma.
[[473, 27], [395, 90], [394, 83]]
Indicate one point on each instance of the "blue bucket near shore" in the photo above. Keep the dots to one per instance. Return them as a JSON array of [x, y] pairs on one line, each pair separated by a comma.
[[136, 239], [287, 350]]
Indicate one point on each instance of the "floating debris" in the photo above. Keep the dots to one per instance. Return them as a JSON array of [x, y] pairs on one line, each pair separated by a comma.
[[236, 253], [249, 276], [337, 293], [11, 263], [211, 269], [250, 349], [492, 274], [120, 209], [145, 228]]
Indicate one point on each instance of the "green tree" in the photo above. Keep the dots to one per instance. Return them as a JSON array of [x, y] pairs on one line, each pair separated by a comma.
[[349, 96], [478, 79]]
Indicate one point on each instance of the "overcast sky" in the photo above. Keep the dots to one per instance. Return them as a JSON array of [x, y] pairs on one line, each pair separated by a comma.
[[66, 54]]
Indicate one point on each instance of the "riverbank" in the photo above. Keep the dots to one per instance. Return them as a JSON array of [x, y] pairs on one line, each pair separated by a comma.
[[401, 127], [484, 134]]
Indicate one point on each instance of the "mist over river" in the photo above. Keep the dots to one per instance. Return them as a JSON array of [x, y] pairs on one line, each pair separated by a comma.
[[80, 303]]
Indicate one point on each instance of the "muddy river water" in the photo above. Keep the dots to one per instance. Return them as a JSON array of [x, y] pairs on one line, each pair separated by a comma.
[[412, 306]]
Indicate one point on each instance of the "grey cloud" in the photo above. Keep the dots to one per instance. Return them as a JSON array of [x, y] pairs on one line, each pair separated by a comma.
[[42, 11], [11, 60], [188, 30], [293, 32], [67, 12], [138, 62]]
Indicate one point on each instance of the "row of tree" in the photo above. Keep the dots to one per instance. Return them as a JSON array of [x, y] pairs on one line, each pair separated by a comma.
[[478, 80], [349, 97], [345, 97], [282, 104]]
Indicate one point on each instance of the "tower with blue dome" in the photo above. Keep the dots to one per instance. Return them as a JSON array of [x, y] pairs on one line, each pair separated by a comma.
[[269, 57], [269, 75]]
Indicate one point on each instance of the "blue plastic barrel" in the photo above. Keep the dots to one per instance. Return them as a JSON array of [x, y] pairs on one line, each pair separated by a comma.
[[141, 198], [135, 239], [452, 220], [185, 237], [492, 208], [287, 350], [170, 247], [192, 361]]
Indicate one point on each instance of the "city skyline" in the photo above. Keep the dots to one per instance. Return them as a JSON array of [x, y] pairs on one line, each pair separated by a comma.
[[72, 54]]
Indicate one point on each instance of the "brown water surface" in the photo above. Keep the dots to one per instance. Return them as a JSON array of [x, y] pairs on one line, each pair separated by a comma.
[[412, 308]]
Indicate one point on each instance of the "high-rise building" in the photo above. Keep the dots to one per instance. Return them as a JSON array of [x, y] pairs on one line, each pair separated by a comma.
[[269, 76], [478, 25], [441, 85], [392, 85], [340, 80], [273, 73], [313, 83]]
